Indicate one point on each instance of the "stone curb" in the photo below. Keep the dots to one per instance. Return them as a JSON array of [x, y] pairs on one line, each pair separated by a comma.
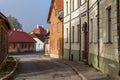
[[79, 74], [76, 71], [6, 77]]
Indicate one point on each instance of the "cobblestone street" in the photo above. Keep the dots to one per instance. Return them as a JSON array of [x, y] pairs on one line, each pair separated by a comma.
[[38, 67]]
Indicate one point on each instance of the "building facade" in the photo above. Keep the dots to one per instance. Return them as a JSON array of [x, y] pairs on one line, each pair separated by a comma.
[[55, 19], [93, 33], [20, 42], [71, 21], [76, 30], [96, 40], [103, 50], [4, 28], [38, 34], [47, 44]]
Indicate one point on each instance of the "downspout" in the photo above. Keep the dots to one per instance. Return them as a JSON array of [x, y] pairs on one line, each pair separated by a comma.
[[79, 38], [70, 34], [118, 31], [63, 32], [98, 34], [62, 38], [88, 29]]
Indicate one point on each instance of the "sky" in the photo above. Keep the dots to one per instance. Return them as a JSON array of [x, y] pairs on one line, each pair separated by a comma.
[[29, 13]]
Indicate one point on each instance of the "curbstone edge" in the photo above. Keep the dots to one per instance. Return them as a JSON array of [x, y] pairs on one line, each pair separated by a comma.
[[6, 77]]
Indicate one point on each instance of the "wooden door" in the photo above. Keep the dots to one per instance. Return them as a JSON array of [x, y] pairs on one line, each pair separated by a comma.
[[85, 54]]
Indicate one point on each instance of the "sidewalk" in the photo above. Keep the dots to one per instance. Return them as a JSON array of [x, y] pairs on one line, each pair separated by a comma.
[[85, 72]]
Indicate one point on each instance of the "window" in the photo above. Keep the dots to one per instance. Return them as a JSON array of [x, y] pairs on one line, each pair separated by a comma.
[[58, 42], [95, 32], [52, 44], [52, 28], [30, 45], [73, 34], [66, 35], [91, 31], [78, 33], [58, 26], [108, 27], [67, 8], [82, 1], [72, 5], [25, 45], [78, 3], [14, 45]]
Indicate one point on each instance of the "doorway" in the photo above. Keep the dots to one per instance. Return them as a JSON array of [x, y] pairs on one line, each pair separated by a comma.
[[85, 38]]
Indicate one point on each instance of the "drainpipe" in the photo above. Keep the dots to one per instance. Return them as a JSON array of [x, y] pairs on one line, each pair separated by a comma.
[[62, 39], [70, 34], [118, 31], [79, 38], [88, 28], [63, 32], [98, 34]]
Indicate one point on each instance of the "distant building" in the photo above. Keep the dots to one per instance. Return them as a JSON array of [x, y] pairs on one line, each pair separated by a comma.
[[38, 34], [47, 44], [20, 42], [55, 19], [4, 28], [39, 30]]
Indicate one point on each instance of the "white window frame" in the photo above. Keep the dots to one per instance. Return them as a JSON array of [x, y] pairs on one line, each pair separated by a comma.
[[91, 31], [108, 28], [95, 29], [59, 26], [58, 43]]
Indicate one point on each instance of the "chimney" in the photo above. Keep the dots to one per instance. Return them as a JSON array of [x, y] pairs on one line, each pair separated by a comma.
[[14, 29], [42, 26], [47, 30], [37, 26], [31, 32], [21, 30]]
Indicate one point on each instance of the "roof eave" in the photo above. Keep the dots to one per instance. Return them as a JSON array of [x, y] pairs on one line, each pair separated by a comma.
[[6, 20], [50, 10]]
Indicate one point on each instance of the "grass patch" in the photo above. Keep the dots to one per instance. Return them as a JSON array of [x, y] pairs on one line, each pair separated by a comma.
[[8, 67]]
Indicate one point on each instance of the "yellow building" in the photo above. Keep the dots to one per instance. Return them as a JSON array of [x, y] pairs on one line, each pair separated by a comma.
[[55, 19]]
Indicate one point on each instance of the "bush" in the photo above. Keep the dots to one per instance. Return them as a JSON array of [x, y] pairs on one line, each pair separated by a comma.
[[8, 67]]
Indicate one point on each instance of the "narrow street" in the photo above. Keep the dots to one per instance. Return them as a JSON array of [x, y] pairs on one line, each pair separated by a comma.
[[36, 66]]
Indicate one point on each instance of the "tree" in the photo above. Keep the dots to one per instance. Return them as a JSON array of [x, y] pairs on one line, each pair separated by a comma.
[[14, 23]]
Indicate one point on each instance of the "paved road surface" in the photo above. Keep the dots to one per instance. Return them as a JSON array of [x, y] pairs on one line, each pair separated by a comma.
[[37, 67]]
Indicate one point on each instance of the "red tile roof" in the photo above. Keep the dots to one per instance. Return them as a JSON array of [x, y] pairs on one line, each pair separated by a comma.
[[17, 36], [39, 36], [39, 30], [59, 5]]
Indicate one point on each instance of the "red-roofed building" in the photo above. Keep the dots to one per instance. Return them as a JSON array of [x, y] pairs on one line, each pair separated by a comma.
[[38, 35], [39, 30], [20, 42]]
